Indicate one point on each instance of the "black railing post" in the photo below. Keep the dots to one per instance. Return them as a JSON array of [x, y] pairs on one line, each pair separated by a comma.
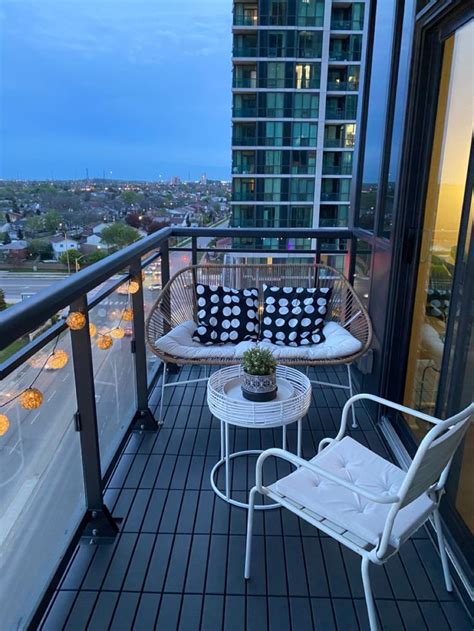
[[143, 419], [194, 259], [100, 525]]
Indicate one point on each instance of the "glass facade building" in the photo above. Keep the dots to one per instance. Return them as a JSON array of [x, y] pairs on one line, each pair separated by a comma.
[[297, 70]]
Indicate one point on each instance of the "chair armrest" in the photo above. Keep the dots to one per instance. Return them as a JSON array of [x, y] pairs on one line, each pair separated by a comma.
[[391, 404], [301, 462]]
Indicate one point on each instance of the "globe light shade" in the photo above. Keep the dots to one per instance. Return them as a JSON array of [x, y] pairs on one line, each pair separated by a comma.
[[127, 315], [76, 320], [57, 360], [117, 333], [4, 424], [31, 399], [104, 342], [133, 286], [92, 330], [122, 289]]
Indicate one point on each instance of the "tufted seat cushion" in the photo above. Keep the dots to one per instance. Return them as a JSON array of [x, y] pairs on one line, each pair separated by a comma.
[[362, 467], [179, 343]]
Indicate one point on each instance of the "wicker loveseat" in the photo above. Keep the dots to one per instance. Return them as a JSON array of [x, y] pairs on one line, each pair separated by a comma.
[[172, 319]]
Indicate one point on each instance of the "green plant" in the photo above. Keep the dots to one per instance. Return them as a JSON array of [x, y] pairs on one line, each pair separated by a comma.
[[258, 361]]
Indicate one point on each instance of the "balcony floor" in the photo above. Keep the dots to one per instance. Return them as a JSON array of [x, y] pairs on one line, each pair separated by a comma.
[[178, 560]]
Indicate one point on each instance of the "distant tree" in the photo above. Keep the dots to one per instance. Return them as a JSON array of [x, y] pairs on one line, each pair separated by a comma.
[[7, 218], [98, 255], [130, 197], [133, 219], [6, 238], [3, 304], [52, 221], [19, 234], [34, 224], [118, 235], [157, 225], [40, 247], [147, 220], [71, 255]]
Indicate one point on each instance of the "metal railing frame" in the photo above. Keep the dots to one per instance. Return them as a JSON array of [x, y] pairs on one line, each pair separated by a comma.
[[74, 292]]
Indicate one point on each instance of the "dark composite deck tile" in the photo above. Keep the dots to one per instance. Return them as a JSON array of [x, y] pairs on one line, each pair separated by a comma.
[[58, 611], [178, 561], [323, 614], [81, 610], [137, 511], [156, 574], [234, 613], [212, 613], [122, 556], [125, 611], [178, 564], [168, 613], [278, 613], [103, 611], [137, 569], [456, 615], [196, 576], [147, 612], [411, 615], [191, 608]]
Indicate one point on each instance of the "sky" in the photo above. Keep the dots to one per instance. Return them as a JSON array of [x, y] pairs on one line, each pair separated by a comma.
[[135, 89]]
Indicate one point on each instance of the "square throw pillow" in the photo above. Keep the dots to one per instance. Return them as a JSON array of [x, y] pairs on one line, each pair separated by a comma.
[[226, 315], [294, 316]]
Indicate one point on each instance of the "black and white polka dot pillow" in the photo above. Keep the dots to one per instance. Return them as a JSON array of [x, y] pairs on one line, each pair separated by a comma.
[[226, 315], [294, 316]]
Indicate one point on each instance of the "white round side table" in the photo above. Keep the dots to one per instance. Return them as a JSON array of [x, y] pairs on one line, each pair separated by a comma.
[[226, 402]]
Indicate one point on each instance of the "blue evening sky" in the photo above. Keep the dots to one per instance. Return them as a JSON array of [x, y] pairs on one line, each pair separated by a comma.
[[138, 88]]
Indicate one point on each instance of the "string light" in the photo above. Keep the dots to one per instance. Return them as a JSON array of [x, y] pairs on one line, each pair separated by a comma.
[[133, 286], [92, 330], [31, 398], [58, 359], [127, 315], [104, 342], [117, 333], [76, 321], [4, 424]]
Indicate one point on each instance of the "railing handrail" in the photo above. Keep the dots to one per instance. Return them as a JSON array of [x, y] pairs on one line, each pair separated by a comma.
[[27, 315]]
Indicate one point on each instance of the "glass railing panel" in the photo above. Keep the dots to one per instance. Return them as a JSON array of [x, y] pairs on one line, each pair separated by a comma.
[[151, 289], [114, 374], [41, 485]]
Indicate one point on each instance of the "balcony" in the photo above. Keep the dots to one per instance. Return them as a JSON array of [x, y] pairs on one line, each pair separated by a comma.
[[344, 55], [342, 86], [346, 25], [174, 557], [337, 169], [245, 51], [341, 113], [244, 112]]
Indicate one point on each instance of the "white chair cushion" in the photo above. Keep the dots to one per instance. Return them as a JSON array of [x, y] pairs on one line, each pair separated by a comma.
[[339, 343], [179, 343], [362, 467]]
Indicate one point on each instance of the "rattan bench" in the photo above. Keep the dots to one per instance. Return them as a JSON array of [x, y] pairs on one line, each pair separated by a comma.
[[172, 319]]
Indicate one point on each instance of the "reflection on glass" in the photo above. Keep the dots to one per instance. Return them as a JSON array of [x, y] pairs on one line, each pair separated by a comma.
[[447, 181], [114, 374], [379, 80], [363, 260], [41, 483]]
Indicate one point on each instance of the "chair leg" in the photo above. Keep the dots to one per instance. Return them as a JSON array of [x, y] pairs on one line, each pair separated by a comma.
[[163, 382], [248, 546], [442, 551], [351, 394], [369, 599]]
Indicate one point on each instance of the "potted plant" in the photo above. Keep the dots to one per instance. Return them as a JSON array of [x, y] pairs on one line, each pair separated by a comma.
[[259, 380]]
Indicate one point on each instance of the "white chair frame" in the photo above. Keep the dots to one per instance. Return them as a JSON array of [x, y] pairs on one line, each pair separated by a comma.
[[410, 487]]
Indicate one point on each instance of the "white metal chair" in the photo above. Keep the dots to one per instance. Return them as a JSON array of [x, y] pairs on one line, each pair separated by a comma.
[[362, 500]]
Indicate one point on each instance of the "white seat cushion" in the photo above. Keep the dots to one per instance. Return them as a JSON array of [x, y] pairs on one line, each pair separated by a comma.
[[179, 343], [357, 464]]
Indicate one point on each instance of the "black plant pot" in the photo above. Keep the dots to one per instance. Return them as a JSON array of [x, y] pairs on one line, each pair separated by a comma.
[[259, 388]]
